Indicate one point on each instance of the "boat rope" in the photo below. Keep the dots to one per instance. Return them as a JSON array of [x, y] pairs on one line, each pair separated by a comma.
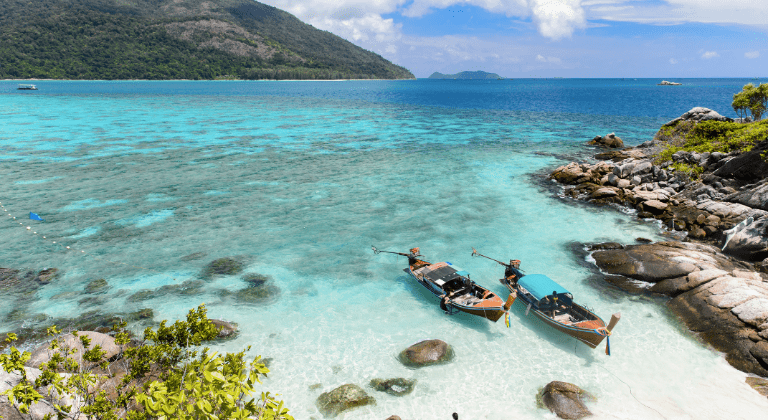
[[632, 394]]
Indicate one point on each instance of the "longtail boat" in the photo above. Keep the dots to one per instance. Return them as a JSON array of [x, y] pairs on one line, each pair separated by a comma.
[[553, 304], [454, 288]]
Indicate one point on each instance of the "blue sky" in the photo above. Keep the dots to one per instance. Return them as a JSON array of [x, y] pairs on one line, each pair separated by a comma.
[[553, 38]]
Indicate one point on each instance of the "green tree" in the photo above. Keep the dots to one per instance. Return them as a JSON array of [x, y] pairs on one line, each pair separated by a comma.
[[752, 99], [193, 383]]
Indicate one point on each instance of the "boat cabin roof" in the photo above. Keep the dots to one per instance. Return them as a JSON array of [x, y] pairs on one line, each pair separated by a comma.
[[540, 285], [442, 273]]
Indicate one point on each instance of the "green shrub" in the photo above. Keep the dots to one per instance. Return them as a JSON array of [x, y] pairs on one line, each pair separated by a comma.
[[192, 383]]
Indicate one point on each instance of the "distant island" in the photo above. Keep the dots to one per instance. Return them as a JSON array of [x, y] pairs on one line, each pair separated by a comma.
[[174, 39], [466, 75]]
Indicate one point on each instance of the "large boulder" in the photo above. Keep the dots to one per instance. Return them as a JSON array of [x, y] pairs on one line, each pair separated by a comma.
[[747, 167], [699, 114], [427, 353], [37, 411], [755, 196], [660, 261], [565, 400], [720, 328], [343, 398], [568, 174], [610, 140], [748, 239], [43, 353]]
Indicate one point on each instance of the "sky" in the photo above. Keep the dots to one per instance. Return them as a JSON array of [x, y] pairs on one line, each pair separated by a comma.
[[553, 38]]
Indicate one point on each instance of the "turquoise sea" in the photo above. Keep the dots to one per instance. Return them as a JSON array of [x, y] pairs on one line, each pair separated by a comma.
[[144, 183]]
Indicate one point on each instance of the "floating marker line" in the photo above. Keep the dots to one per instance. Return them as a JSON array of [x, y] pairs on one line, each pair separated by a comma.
[[81, 251]]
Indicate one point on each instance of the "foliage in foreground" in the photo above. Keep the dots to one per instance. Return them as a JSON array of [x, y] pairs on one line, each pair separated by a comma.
[[189, 382], [708, 136]]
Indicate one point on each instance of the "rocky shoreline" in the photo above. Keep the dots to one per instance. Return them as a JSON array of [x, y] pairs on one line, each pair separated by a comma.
[[715, 275]]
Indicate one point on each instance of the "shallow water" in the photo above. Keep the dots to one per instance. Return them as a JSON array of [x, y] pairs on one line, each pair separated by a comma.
[[299, 179]]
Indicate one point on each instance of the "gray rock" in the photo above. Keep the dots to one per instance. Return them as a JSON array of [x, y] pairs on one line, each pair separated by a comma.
[[660, 261], [565, 400], [427, 353], [43, 353], [343, 398], [642, 168], [605, 193], [748, 240], [755, 196], [654, 206], [753, 312], [748, 167]]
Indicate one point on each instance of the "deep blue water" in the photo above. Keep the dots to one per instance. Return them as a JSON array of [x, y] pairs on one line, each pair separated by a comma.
[[299, 179]]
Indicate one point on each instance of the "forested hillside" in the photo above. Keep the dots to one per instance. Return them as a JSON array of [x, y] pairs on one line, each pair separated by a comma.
[[174, 39]]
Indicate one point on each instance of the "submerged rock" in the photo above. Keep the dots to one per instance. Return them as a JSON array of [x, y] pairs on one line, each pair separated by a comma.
[[223, 266], [426, 353], [97, 286], [141, 295], [565, 400], [47, 275], [227, 330], [396, 386], [266, 293], [193, 256], [343, 398], [255, 279]]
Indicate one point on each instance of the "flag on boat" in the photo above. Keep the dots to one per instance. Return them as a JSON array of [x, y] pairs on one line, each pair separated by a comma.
[[35, 216]]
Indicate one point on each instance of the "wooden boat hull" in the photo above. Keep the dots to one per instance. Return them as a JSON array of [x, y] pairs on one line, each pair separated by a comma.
[[490, 307], [590, 331]]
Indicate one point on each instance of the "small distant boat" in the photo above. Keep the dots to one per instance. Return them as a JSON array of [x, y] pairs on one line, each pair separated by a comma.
[[553, 304], [454, 288], [27, 87]]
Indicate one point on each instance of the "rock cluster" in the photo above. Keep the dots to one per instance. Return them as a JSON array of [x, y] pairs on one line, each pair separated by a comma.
[[699, 114], [715, 283], [667, 83], [703, 209]]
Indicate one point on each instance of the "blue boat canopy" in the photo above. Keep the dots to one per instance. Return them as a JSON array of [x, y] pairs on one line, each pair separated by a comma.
[[540, 285]]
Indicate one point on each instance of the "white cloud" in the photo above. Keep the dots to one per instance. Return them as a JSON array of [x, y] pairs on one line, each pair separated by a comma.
[[362, 19], [543, 59], [558, 19], [752, 54], [672, 61], [745, 12], [710, 54]]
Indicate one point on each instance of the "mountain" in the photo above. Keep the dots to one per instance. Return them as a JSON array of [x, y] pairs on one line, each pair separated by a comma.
[[174, 39], [466, 75]]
